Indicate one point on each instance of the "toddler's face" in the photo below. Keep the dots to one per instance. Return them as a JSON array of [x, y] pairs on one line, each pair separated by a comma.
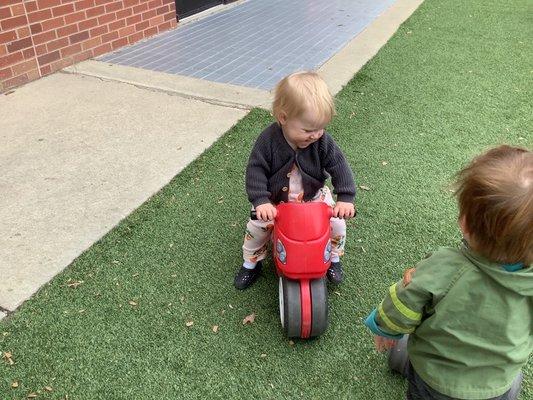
[[301, 131]]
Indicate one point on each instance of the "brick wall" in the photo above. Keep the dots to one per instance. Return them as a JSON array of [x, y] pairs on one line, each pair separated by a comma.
[[38, 37]]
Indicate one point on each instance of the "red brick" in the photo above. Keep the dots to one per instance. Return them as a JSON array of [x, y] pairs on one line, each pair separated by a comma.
[[62, 10], [44, 37], [124, 13], [23, 32], [93, 12], [83, 56], [100, 2], [5, 12], [33, 74], [67, 30], [53, 23], [130, 3], [98, 31], [16, 81], [46, 70], [105, 48], [105, 19], [18, 9], [88, 24], [40, 49], [19, 44], [78, 37], [9, 2], [157, 20], [47, 3], [109, 37], [113, 7], [48, 58], [7, 36], [57, 44], [84, 4], [89, 44], [28, 53], [31, 6], [36, 28], [164, 27], [74, 17], [140, 8], [128, 30], [150, 31], [12, 23], [119, 43], [60, 64], [11, 59], [170, 16], [3, 50], [26, 66], [148, 15], [5, 73], [70, 50], [117, 25], [133, 20], [162, 10], [135, 37], [142, 26]]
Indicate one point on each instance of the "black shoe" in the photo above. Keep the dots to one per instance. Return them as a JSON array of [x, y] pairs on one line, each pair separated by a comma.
[[335, 274], [246, 277]]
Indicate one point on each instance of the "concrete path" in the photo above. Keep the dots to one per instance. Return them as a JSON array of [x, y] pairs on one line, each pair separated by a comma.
[[83, 148]]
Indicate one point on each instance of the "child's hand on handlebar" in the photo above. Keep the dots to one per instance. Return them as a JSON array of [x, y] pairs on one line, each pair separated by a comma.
[[344, 210], [266, 212]]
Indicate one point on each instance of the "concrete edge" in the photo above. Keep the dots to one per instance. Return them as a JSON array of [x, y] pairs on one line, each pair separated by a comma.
[[211, 92], [2, 315], [342, 67]]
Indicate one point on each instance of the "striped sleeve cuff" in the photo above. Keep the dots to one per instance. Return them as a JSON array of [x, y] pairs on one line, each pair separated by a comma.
[[370, 322]]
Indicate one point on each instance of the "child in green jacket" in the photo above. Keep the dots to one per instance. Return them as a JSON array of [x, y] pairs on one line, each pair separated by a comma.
[[469, 310]]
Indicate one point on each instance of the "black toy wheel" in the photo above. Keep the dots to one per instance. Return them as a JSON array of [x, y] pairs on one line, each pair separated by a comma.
[[319, 301], [290, 311]]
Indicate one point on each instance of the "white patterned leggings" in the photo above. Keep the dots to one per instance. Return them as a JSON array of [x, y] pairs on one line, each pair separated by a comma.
[[258, 232]]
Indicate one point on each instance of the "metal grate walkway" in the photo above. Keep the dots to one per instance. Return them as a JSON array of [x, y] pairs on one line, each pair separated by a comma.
[[255, 43]]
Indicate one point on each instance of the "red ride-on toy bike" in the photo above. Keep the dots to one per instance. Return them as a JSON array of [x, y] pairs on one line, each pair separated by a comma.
[[301, 248]]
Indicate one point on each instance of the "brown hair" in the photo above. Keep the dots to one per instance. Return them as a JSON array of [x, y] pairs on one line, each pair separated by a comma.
[[301, 92], [495, 195]]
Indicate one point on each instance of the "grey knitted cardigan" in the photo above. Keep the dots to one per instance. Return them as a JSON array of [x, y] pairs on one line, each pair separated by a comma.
[[272, 158]]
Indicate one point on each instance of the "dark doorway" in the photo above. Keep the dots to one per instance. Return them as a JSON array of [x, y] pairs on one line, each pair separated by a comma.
[[184, 8]]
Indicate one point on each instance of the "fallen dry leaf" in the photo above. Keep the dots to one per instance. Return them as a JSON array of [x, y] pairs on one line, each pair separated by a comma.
[[215, 328], [291, 343], [189, 323], [73, 284], [337, 293], [8, 357], [364, 187], [263, 355], [230, 306], [132, 303], [384, 163], [249, 319], [15, 385], [48, 388], [32, 395]]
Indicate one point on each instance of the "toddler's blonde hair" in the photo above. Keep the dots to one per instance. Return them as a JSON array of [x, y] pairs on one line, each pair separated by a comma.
[[301, 92]]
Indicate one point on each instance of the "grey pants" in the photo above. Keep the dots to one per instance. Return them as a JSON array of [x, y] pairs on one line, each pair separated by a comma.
[[420, 390]]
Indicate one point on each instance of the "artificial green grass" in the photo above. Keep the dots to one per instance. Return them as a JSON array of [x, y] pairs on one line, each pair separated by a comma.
[[454, 80]]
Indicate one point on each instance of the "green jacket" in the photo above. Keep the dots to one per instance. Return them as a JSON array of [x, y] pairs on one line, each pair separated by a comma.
[[470, 322]]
